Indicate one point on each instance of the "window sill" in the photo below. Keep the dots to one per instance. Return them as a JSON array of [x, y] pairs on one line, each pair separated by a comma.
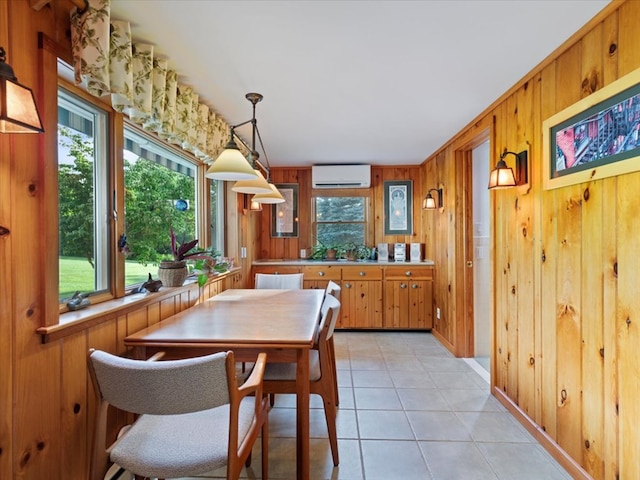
[[78, 320]]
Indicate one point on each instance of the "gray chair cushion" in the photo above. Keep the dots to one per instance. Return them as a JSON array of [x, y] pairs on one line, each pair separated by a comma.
[[180, 445], [287, 371]]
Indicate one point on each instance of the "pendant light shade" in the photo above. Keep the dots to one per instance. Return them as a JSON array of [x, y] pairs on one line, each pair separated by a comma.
[[256, 185], [231, 165], [18, 110], [274, 197]]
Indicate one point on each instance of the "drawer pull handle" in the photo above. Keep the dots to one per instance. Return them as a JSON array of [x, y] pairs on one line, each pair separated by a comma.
[[321, 274], [413, 285], [408, 273], [347, 285], [403, 285], [362, 274]]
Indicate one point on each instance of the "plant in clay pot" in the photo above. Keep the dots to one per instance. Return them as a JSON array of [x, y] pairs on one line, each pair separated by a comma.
[[173, 272]]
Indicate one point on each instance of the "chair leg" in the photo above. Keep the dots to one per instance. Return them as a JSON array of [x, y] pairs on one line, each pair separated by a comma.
[[265, 450], [272, 399], [332, 358], [330, 416]]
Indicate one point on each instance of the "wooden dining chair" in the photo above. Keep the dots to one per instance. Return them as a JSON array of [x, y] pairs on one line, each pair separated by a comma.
[[288, 281], [193, 417], [334, 290], [281, 377]]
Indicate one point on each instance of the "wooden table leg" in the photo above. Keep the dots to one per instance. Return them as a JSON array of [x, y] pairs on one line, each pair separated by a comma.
[[303, 467]]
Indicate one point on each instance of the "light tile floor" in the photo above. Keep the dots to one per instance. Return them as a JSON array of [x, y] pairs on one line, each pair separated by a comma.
[[408, 410]]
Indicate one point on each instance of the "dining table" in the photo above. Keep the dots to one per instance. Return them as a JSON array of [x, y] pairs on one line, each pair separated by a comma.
[[282, 323]]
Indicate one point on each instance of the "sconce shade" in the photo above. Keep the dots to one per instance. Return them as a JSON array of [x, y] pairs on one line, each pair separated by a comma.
[[503, 176], [429, 203], [255, 206], [231, 165], [274, 197], [18, 109], [255, 185]]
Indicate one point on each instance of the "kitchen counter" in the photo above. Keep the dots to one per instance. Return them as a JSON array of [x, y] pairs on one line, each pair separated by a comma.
[[302, 262]]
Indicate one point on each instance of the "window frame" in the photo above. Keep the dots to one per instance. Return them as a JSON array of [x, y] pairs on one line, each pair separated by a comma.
[[343, 193], [103, 248]]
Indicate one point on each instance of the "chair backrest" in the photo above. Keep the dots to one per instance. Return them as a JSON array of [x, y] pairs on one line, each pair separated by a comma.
[[290, 281], [333, 289], [162, 388], [330, 312]]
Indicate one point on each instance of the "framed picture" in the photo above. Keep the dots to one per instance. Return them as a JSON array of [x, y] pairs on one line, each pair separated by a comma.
[[398, 212], [595, 138], [284, 216]]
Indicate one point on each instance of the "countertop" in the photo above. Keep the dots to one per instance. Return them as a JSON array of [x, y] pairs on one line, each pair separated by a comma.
[[302, 262]]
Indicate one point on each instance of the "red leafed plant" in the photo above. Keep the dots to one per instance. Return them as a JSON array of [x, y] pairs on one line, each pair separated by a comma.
[[185, 251]]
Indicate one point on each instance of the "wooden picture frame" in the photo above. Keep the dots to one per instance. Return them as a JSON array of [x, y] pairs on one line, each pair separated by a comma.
[[284, 216], [398, 207], [595, 138]]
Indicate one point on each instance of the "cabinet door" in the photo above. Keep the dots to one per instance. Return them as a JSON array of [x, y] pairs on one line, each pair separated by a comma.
[[361, 304], [408, 304]]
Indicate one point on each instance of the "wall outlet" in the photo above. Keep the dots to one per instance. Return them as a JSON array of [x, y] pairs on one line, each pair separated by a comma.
[[438, 313], [243, 252]]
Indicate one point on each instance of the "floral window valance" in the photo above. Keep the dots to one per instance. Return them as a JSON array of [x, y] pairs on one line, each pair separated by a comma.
[[107, 62]]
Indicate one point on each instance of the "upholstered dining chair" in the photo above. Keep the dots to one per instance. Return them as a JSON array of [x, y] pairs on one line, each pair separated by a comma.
[[281, 377], [193, 417], [288, 281], [334, 290]]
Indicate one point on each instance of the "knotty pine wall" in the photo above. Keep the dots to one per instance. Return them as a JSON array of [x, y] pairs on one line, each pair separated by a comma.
[[290, 247], [565, 329]]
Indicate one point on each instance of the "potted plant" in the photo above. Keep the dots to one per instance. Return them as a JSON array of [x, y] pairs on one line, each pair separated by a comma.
[[173, 272], [356, 251]]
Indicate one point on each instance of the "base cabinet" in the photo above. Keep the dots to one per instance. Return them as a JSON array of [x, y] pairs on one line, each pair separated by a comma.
[[361, 298], [408, 298], [373, 296]]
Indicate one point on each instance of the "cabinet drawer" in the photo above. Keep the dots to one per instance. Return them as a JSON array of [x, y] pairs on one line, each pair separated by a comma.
[[274, 269], [408, 271], [324, 272], [361, 273]]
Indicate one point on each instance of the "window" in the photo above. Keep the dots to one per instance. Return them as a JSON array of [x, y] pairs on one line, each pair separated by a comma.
[[160, 194], [83, 179], [340, 220], [161, 191]]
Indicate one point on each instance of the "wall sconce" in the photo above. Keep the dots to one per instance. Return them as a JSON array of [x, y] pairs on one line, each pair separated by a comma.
[[18, 109], [251, 205], [503, 176], [429, 203]]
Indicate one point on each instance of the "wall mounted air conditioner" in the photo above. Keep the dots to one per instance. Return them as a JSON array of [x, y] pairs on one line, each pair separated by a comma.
[[341, 176]]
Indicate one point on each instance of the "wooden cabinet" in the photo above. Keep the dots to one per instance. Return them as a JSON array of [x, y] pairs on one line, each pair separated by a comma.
[[318, 276], [408, 297], [374, 295], [361, 297]]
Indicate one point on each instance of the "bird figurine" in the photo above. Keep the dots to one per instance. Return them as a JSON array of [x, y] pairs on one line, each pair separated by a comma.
[[152, 285]]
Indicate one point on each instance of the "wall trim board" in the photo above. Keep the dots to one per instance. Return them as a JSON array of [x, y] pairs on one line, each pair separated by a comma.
[[569, 464]]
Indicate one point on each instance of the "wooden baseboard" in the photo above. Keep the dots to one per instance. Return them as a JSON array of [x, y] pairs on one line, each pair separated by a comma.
[[548, 443]]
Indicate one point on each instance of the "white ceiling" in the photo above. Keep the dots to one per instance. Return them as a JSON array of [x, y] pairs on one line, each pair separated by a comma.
[[363, 81]]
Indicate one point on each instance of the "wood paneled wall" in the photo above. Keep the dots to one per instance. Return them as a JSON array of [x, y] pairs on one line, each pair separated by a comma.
[[565, 330], [290, 247], [566, 335]]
